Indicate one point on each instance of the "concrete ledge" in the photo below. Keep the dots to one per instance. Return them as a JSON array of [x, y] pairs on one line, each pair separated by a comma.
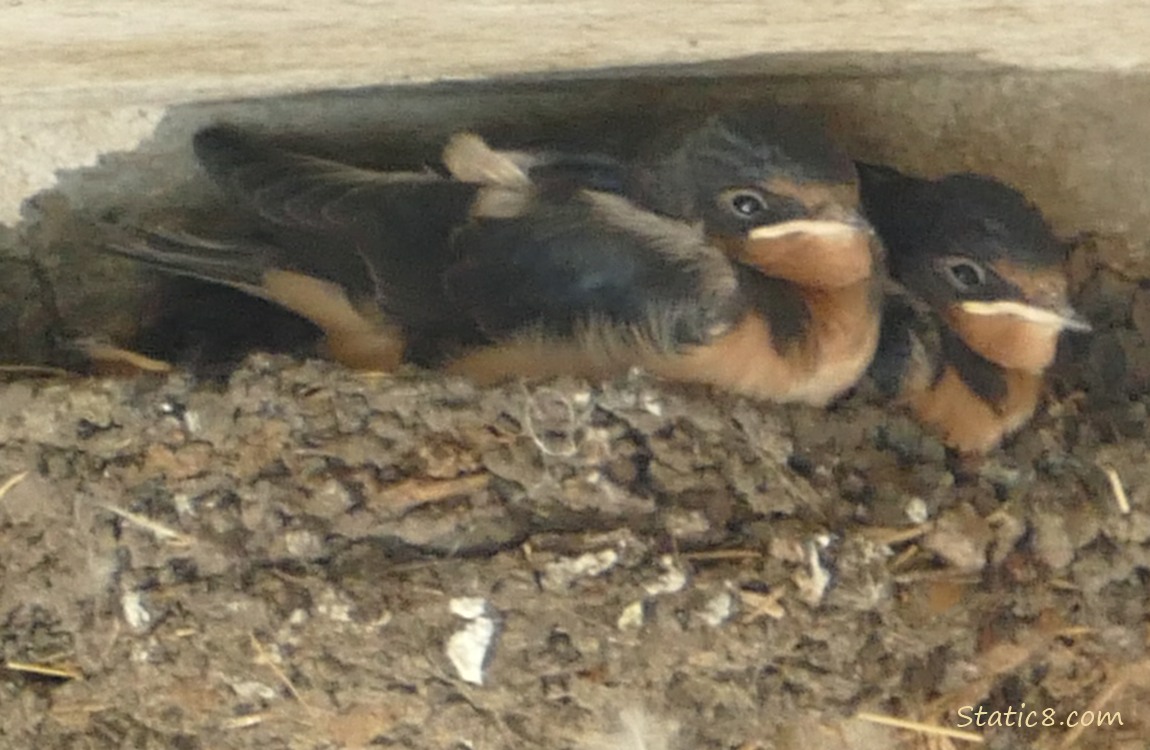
[[131, 52], [78, 78]]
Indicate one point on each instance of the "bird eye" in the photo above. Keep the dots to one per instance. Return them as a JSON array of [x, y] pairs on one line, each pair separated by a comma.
[[746, 203], [963, 274]]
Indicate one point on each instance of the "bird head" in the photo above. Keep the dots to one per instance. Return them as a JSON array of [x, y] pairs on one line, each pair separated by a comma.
[[771, 187], [982, 257]]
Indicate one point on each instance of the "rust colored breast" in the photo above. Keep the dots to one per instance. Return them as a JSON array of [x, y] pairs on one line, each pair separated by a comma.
[[966, 422]]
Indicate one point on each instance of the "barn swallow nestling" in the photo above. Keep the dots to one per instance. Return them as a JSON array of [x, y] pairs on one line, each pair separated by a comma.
[[781, 199], [991, 278], [760, 279]]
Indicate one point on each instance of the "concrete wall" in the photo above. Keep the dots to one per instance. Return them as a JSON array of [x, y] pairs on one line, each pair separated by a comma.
[[83, 77]]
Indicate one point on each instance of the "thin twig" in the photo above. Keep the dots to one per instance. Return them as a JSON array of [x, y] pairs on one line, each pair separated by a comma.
[[11, 482], [35, 370], [265, 659], [722, 554], [44, 670], [1118, 490], [920, 727], [161, 531], [415, 492]]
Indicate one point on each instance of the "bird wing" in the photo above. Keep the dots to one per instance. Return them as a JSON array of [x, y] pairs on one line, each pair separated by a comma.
[[594, 262], [238, 263], [384, 237], [909, 354], [247, 265]]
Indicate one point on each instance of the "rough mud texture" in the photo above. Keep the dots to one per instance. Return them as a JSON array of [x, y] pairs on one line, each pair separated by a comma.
[[279, 562]]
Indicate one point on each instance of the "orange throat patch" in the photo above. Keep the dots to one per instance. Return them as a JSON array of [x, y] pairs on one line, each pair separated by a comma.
[[832, 356], [966, 422], [811, 254], [1007, 340]]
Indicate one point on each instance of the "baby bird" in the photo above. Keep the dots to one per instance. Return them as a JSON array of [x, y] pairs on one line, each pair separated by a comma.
[[738, 258], [986, 303]]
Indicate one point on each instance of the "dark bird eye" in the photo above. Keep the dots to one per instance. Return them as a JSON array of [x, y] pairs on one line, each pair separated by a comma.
[[963, 274], [746, 203]]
